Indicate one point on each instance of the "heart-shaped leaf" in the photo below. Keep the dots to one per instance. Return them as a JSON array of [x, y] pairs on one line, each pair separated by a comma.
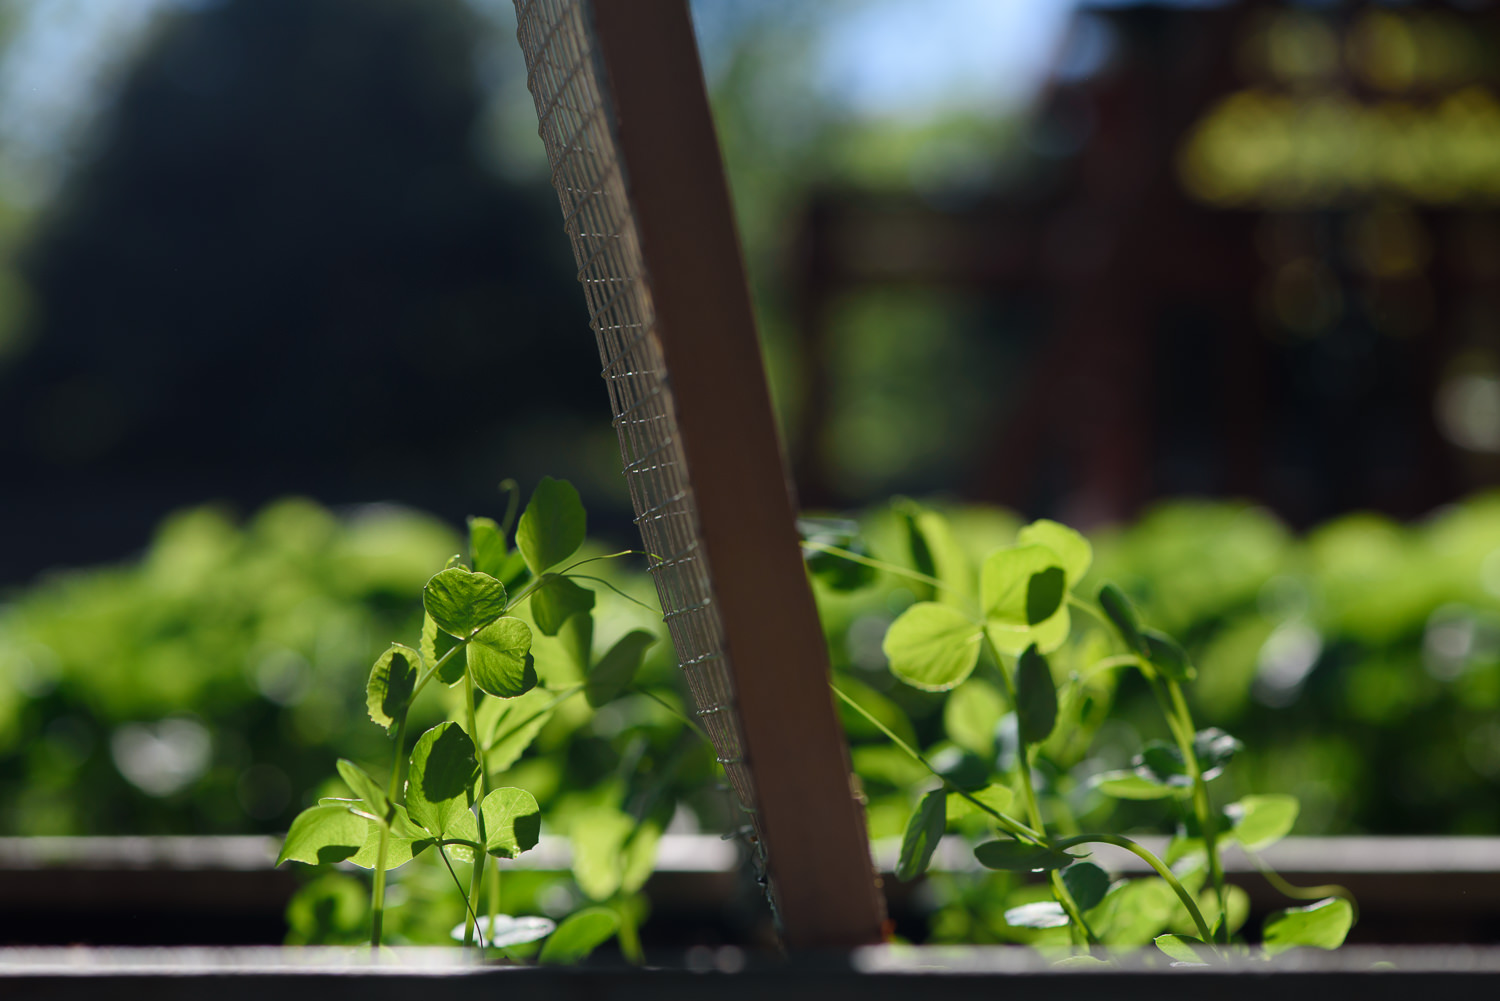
[[1323, 925], [553, 525], [367, 790], [1261, 821], [1036, 697], [440, 783], [512, 822], [1185, 949], [923, 832], [404, 842], [1071, 547], [461, 601], [580, 935], [322, 834], [1086, 883], [1130, 785], [1006, 592], [932, 647], [392, 680], [500, 658]]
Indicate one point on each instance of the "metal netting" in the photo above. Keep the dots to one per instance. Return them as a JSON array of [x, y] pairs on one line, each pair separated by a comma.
[[573, 108]]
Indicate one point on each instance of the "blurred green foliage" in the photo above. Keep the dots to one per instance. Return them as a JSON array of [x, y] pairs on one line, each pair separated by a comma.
[[1360, 665]]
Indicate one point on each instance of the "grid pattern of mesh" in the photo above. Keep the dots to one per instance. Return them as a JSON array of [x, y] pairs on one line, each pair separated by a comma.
[[572, 103]]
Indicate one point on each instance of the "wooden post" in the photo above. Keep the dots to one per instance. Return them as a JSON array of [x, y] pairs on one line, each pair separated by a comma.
[[817, 848]]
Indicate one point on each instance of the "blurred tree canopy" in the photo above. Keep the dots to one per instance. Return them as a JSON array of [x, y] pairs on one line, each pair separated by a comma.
[[284, 267]]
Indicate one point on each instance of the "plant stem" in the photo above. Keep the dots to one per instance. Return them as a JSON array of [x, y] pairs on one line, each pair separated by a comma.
[[874, 564], [470, 920], [1015, 827], [671, 709], [1301, 892], [1202, 806], [377, 894], [1155, 863], [477, 877]]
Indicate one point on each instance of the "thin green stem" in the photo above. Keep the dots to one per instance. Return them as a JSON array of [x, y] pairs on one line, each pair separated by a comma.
[[561, 697], [1202, 805], [1015, 827], [1155, 863], [674, 711], [890, 568], [512, 491], [1301, 892], [377, 895], [616, 590], [476, 881], [470, 921]]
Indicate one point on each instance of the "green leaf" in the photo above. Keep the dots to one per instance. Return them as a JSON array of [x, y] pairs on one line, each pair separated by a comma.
[[1041, 914], [1214, 748], [923, 832], [617, 668], [366, 789], [1087, 883], [998, 798], [580, 935], [932, 647], [460, 601], [577, 637], [971, 714], [1164, 763], [487, 548], [1185, 949], [512, 822], [1044, 594], [838, 573], [508, 726], [1130, 785], [1319, 926], [427, 645], [507, 931], [640, 857], [553, 525], [599, 836], [322, 834], [1071, 547], [1261, 821], [500, 658], [1122, 614], [440, 782], [1018, 857], [1006, 592], [392, 680], [557, 600], [1167, 657], [937, 553], [405, 842], [1134, 912], [1036, 697]]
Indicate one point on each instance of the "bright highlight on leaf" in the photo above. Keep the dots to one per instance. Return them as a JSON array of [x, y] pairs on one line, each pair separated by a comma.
[[507, 931], [512, 822], [1070, 546], [440, 783], [323, 834], [1323, 925], [553, 525], [932, 646], [1006, 590], [1261, 821], [1042, 914]]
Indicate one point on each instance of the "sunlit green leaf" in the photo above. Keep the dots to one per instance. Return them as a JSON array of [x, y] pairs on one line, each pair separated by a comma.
[[440, 781], [1036, 697], [1122, 613], [322, 834], [1005, 586], [996, 797], [1261, 821], [1130, 785], [366, 789], [392, 680], [1044, 594], [557, 600], [553, 525], [1323, 925], [640, 857], [617, 668], [460, 601], [1041, 914], [507, 931], [1019, 857], [405, 842], [971, 714], [599, 836], [937, 553], [1135, 912], [1087, 883], [1071, 547], [1185, 949], [508, 726], [923, 832], [932, 647], [512, 822], [580, 935], [499, 658]]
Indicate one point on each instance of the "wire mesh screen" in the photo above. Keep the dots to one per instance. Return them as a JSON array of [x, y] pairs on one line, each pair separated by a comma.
[[572, 103]]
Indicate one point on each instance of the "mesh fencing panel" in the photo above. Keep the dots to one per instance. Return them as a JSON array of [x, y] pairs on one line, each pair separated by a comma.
[[575, 116]]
